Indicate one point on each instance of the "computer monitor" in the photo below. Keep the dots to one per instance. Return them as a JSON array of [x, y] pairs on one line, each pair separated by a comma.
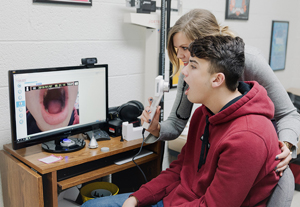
[[48, 105]]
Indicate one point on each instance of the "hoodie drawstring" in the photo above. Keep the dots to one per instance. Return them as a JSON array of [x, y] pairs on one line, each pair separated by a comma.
[[205, 145]]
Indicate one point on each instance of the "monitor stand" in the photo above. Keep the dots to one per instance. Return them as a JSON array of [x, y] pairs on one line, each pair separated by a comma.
[[63, 145]]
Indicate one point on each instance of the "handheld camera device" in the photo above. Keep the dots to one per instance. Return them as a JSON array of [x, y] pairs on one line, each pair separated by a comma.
[[161, 86]]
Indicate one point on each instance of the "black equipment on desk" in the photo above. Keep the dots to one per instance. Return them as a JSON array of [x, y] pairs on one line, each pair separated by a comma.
[[98, 134], [129, 111]]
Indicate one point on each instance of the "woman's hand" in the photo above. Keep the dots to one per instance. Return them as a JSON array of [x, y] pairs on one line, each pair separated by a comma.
[[285, 157], [130, 202], [154, 127]]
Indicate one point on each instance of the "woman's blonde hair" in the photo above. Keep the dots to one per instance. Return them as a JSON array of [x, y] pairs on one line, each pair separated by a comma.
[[195, 24]]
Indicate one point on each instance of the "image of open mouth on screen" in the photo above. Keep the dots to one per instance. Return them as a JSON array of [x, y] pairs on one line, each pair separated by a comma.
[[51, 106]]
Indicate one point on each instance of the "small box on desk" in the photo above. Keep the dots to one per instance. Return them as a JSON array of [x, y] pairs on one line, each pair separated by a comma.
[[130, 132], [115, 127]]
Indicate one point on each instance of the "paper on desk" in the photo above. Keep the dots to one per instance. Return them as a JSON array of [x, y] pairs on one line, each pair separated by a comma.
[[50, 159]]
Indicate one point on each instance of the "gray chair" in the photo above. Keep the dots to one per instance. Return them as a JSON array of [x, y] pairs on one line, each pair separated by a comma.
[[283, 193]]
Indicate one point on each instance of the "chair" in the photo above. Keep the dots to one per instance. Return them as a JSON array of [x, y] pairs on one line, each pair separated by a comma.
[[283, 193]]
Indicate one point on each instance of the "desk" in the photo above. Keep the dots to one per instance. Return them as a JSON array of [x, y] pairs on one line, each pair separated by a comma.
[[28, 182]]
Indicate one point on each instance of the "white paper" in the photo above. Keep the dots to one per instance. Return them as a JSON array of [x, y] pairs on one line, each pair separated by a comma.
[[50, 159]]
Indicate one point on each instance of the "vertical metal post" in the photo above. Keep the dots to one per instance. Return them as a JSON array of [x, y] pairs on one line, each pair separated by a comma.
[[167, 29], [161, 70]]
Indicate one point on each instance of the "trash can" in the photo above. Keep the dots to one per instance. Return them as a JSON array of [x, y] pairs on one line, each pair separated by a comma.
[[87, 189]]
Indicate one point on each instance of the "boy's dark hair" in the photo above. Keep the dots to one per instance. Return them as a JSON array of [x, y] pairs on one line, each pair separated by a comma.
[[226, 55]]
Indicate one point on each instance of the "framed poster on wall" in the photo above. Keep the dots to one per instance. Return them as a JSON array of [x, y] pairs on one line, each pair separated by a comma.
[[278, 48], [237, 9], [86, 2], [174, 79]]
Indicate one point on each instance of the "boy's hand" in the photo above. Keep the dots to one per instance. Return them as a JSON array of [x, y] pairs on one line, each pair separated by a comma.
[[130, 202]]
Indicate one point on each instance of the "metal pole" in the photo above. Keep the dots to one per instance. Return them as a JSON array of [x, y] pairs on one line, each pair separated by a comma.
[[168, 28], [162, 39], [161, 70]]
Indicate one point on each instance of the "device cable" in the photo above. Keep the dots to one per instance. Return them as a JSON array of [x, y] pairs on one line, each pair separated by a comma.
[[138, 154], [187, 116]]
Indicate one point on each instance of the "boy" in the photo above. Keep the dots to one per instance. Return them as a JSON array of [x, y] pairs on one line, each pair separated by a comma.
[[229, 157]]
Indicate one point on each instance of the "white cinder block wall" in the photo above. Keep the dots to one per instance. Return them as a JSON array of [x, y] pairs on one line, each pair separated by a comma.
[[34, 35]]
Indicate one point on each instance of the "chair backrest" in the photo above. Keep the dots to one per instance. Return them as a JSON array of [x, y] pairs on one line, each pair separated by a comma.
[[283, 193]]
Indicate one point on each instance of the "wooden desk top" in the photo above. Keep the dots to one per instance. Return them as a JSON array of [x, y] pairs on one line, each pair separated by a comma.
[[30, 155]]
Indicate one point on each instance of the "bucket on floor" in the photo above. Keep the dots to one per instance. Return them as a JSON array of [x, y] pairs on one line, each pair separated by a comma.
[[87, 189], [98, 193]]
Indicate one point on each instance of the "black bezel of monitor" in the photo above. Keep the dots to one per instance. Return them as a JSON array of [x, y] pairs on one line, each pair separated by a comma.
[[58, 134]]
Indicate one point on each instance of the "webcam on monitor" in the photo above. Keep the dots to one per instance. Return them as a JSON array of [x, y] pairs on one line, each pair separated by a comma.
[[88, 61]]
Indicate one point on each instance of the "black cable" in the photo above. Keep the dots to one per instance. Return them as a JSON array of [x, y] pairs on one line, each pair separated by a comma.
[[138, 154], [177, 114], [46, 145]]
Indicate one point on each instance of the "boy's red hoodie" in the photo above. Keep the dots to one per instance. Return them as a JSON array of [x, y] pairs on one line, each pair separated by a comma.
[[239, 167]]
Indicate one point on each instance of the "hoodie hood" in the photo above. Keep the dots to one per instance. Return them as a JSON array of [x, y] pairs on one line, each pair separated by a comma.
[[254, 101]]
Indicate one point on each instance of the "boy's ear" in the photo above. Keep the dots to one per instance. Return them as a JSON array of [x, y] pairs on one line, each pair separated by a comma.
[[218, 80]]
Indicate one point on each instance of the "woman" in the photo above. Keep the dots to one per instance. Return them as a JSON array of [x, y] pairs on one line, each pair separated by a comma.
[[200, 23]]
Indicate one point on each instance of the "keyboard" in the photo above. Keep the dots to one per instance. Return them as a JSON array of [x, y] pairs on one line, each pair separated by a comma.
[[143, 153], [98, 134]]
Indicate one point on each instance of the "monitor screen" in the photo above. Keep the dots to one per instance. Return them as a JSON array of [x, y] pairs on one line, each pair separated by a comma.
[[54, 103]]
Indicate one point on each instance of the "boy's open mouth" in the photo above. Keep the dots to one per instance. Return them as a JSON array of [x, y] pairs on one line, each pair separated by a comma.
[[54, 100], [54, 104], [186, 92]]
